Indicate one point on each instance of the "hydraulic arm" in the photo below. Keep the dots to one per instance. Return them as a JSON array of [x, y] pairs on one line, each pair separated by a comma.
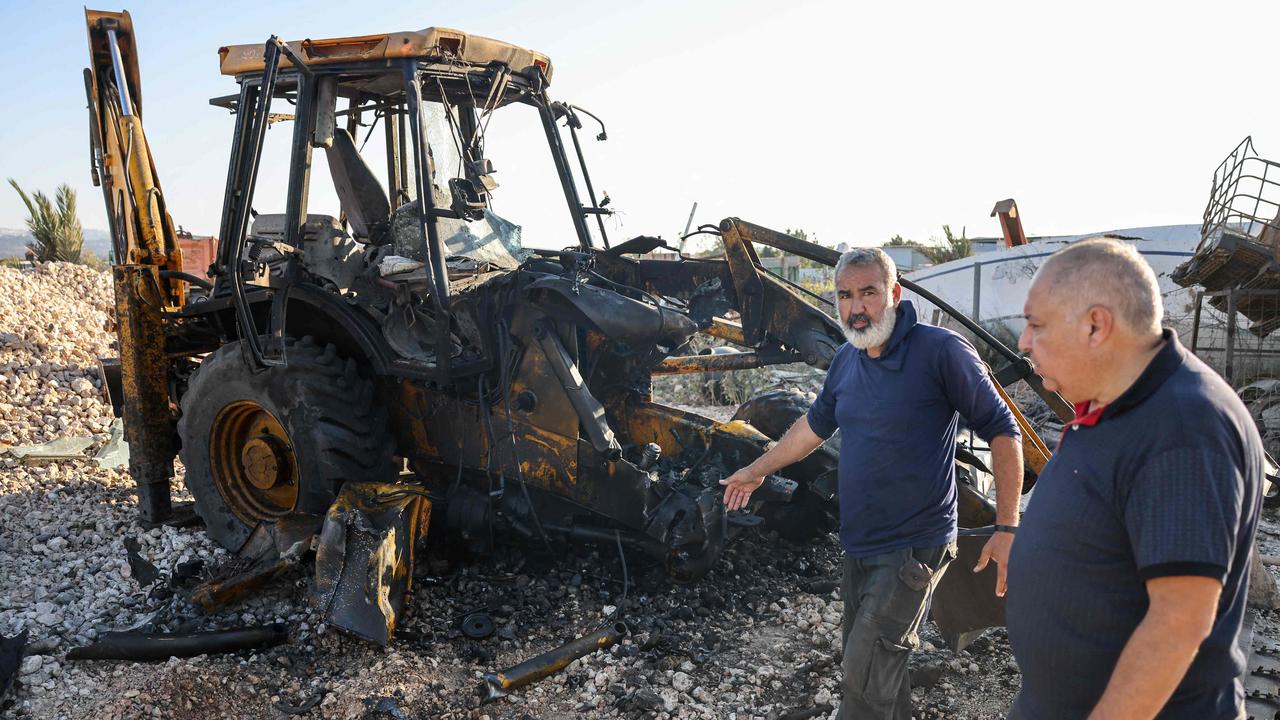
[[145, 254]]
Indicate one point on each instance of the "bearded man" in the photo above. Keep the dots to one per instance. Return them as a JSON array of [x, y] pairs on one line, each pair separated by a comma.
[[896, 391]]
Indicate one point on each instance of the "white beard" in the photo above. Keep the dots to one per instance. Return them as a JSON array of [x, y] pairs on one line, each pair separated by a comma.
[[875, 334]]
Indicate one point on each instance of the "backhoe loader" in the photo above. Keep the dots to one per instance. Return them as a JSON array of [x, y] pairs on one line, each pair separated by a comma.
[[405, 363]]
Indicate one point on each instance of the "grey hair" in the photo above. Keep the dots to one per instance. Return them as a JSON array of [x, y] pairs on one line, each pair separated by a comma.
[[859, 257], [1111, 273]]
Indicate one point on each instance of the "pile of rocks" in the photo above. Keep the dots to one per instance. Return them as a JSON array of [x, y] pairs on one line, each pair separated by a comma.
[[53, 328], [756, 639]]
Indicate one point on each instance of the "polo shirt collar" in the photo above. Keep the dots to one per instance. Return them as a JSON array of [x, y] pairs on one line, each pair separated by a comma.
[[893, 355], [1162, 366]]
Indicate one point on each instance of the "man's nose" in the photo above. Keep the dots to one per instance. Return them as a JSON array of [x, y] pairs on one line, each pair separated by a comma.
[[1024, 340]]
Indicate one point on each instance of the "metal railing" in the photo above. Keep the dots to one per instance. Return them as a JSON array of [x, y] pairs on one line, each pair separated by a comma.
[[1245, 196]]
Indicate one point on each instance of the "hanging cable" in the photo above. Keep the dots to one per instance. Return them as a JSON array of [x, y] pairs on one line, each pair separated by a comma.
[[626, 578]]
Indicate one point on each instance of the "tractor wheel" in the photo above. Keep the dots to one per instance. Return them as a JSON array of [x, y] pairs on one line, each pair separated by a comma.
[[807, 517], [773, 413], [261, 446]]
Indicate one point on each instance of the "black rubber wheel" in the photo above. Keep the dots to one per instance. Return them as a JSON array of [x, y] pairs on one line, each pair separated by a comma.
[[773, 413], [807, 517], [260, 446]]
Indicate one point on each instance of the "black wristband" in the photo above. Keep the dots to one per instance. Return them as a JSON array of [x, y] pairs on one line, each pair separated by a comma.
[[1011, 529]]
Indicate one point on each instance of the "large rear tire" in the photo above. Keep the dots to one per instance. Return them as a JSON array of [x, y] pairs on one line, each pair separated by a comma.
[[807, 517], [261, 446]]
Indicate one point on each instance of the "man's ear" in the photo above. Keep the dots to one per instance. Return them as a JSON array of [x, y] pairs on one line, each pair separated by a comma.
[[1101, 324], [897, 292]]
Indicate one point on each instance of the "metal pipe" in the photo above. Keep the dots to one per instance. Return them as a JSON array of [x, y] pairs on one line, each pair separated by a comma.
[[162, 646], [977, 291], [726, 330], [562, 169], [1231, 336], [595, 534], [827, 256], [1195, 325], [589, 410], [586, 177], [220, 592], [122, 85], [498, 684], [429, 234], [689, 364]]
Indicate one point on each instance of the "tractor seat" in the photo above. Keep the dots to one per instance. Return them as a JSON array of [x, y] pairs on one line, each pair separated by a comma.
[[317, 227], [363, 200]]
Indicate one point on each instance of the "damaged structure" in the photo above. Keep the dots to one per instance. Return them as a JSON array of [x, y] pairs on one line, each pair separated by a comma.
[[354, 384]]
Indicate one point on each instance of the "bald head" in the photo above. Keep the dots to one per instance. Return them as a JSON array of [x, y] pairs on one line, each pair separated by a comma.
[[1108, 273]]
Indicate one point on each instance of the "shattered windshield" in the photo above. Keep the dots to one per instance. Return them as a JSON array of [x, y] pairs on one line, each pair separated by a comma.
[[493, 239]]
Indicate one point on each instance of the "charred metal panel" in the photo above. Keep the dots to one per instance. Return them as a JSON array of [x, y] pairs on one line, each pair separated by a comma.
[[364, 559]]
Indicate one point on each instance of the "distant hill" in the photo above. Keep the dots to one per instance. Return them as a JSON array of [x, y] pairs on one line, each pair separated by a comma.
[[13, 243]]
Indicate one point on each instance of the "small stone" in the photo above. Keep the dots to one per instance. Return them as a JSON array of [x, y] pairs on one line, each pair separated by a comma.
[[647, 699], [31, 664], [681, 682], [822, 697]]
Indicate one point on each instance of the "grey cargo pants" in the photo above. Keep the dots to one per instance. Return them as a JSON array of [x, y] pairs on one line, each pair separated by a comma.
[[885, 599]]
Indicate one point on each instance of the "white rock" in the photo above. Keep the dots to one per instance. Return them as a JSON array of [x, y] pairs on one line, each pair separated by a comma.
[[31, 664], [681, 682]]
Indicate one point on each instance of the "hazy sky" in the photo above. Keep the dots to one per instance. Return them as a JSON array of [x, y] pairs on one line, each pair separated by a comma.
[[853, 121]]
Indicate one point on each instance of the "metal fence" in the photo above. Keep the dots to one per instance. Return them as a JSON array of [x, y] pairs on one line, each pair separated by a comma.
[[1242, 351], [1246, 353]]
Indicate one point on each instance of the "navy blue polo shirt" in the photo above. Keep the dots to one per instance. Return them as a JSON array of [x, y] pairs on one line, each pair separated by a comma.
[[898, 415], [1166, 483]]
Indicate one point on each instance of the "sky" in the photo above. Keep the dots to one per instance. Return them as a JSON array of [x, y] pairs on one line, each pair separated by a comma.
[[853, 121]]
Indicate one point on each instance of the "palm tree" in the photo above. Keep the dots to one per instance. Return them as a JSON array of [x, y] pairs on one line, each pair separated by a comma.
[[57, 231]]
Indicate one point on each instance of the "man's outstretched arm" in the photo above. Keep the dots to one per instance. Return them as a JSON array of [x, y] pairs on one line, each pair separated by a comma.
[[799, 441]]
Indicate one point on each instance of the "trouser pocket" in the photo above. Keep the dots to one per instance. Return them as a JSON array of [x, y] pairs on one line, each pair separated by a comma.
[[888, 668]]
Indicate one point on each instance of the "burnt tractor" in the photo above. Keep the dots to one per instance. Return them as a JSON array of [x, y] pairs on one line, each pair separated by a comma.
[[347, 381]]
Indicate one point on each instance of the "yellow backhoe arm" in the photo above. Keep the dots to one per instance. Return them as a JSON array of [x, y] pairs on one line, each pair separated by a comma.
[[141, 226], [145, 253]]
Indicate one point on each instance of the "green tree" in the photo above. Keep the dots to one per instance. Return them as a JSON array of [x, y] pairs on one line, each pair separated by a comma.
[[953, 248], [899, 241], [53, 224]]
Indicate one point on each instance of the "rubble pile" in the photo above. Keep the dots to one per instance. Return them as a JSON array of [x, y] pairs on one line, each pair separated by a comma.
[[53, 329], [757, 638]]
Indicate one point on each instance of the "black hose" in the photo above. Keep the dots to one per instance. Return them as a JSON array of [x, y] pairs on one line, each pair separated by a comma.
[[187, 277], [162, 646]]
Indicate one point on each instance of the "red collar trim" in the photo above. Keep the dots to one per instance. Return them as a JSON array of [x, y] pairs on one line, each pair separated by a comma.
[[1085, 417]]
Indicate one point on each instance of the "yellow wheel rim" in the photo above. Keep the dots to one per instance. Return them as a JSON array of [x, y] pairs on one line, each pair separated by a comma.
[[253, 463]]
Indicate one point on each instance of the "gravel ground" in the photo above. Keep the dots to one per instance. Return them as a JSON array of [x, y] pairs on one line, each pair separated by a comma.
[[755, 639]]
